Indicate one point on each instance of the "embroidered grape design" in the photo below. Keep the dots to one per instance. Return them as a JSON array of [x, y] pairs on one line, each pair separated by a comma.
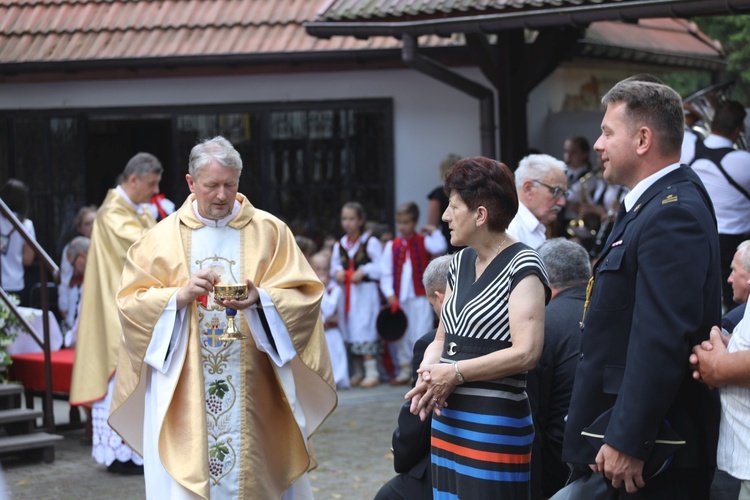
[[215, 468], [216, 392], [216, 454]]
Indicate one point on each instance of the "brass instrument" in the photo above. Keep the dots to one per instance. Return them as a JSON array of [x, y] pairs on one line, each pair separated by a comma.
[[704, 103], [584, 227]]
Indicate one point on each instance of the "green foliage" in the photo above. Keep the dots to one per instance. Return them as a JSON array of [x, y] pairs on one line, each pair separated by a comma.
[[687, 82], [10, 325], [734, 33]]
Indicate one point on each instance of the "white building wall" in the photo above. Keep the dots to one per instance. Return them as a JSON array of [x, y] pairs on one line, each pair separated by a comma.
[[430, 118]]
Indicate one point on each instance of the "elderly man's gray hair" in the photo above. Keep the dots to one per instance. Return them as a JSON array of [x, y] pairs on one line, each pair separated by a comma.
[[745, 257], [435, 276], [536, 167], [567, 262], [78, 245], [217, 149]]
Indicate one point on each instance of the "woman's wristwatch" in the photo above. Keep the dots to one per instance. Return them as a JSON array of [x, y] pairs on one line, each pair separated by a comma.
[[459, 377]]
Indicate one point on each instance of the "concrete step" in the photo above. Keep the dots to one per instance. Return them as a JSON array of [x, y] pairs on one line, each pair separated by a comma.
[[38, 442], [17, 415], [10, 390], [10, 395]]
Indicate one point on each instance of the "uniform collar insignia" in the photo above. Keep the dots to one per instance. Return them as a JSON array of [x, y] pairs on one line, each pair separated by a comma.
[[670, 198]]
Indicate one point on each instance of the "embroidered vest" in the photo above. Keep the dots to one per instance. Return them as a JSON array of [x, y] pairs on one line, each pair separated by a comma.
[[419, 260], [360, 257]]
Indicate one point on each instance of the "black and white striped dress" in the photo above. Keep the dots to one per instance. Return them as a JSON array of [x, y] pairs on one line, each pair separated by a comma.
[[481, 444]]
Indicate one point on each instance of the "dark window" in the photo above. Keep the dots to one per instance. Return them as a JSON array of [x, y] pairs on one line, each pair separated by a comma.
[[302, 161]]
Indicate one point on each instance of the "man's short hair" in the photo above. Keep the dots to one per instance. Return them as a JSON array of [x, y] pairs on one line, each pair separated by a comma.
[[217, 149], [729, 116], [567, 262], [654, 105], [536, 167], [435, 276], [140, 165]]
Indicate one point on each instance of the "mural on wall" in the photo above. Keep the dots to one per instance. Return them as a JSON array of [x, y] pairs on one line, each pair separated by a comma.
[[588, 97]]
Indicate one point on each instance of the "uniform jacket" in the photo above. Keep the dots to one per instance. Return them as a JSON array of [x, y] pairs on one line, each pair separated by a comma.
[[656, 294]]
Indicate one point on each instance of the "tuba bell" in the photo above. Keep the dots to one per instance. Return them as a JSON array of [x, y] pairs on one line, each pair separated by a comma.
[[703, 104]]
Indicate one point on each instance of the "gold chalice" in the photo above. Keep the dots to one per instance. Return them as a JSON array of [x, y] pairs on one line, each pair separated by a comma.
[[226, 291]]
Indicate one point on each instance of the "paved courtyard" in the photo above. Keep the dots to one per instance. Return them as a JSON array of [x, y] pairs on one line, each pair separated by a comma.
[[352, 449]]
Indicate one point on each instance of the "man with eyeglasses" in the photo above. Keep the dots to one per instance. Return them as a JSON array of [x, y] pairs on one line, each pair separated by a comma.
[[541, 183]]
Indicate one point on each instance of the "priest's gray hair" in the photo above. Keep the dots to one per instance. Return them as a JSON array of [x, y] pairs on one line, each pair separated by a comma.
[[435, 277], [217, 149], [567, 263], [140, 165]]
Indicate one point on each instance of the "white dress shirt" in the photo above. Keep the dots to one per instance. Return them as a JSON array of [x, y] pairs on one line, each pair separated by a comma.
[[733, 452], [526, 228], [731, 206]]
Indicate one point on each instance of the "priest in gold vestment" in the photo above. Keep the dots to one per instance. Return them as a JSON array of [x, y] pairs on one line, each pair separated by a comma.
[[215, 418], [122, 218]]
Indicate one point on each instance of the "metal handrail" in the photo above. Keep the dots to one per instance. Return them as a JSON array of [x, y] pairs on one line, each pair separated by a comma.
[[48, 264]]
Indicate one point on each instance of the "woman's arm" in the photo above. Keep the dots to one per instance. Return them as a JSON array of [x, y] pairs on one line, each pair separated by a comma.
[[28, 254], [526, 316], [434, 214]]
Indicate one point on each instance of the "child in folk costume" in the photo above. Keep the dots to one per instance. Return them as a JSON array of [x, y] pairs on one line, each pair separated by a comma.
[[355, 265], [329, 308], [402, 267]]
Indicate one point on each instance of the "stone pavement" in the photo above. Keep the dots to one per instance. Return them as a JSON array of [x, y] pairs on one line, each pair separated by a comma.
[[352, 448]]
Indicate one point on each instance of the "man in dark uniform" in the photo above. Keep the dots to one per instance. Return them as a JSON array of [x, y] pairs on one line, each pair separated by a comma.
[[656, 293]]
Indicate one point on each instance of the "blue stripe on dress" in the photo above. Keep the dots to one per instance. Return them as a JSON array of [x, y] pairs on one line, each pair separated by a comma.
[[443, 495], [482, 437], [490, 475], [479, 418]]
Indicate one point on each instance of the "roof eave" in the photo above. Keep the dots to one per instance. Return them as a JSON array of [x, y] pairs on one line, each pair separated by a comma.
[[588, 49], [577, 16]]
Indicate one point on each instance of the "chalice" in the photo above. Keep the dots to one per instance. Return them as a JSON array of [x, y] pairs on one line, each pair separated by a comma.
[[224, 291]]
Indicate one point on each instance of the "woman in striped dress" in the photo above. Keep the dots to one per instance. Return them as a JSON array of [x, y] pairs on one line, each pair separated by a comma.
[[491, 332]]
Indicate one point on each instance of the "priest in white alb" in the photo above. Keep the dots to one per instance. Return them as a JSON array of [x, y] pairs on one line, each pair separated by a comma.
[[216, 418]]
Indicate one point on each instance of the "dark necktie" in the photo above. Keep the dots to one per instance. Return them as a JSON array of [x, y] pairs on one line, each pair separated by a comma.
[[620, 215], [621, 212]]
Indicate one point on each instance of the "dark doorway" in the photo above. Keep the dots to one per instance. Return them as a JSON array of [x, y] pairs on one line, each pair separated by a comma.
[[112, 141]]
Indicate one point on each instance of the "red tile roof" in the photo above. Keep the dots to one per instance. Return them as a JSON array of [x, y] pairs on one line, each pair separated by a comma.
[[66, 30], [124, 32], [660, 37]]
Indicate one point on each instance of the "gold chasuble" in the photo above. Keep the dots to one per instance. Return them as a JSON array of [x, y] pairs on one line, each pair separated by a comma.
[[273, 453], [117, 226]]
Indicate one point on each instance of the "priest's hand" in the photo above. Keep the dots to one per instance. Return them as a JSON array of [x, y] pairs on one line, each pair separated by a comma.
[[253, 298], [201, 283]]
